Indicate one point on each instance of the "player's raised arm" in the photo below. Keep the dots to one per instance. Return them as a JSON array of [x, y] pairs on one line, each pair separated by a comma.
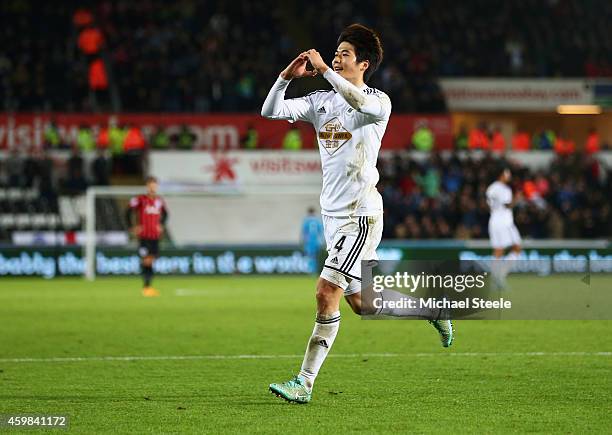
[[376, 105], [276, 107]]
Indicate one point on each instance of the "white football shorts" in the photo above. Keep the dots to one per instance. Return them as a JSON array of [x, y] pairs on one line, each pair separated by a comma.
[[504, 235], [349, 241]]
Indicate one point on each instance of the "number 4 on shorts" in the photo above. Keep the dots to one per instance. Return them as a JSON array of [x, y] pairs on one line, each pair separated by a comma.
[[340, 242]]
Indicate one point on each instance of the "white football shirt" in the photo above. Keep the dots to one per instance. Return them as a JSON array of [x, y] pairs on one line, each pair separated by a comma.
[[499, 195], [349, 140]]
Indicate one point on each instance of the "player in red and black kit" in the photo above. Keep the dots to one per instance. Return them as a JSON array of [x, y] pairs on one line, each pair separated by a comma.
[[152, 215]]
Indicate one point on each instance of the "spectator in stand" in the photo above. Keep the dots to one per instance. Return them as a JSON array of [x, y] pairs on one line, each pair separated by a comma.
[[116, 138], [90, 41], [52, 138], [604, 221], [554, 228], [134, 140], [14, 168], [293, 139], [103, 139], [85, 139], [3, 175], [564, 147], [532, 193], [100, 169], [160, 140], [45, 171], [134, 147], [479, 138], [30, 169], [82, 17], [75, 184], [461, 140], [521, 141], [186, 138], [542, 185], [430, 182], [408, 183], [452, 178], [75, 163], [544, 140], [592, 142], [423, 138], [498, 142], [250, 141]]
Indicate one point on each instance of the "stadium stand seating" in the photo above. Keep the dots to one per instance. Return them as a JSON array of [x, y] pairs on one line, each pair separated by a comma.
[[194, 56], [22, 209], [444, 198]]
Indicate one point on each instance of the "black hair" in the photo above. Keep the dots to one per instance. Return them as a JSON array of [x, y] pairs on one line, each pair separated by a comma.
[[367, 46], [501, 169], [150, 179]]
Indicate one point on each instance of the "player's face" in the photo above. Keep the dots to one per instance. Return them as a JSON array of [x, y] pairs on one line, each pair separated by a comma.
[[151, 187], [345, 62], [506, 176]]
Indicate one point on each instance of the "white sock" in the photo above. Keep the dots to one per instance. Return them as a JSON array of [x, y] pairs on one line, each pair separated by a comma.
[[508, 263], [498, 266], [403, 310], [323, 336]]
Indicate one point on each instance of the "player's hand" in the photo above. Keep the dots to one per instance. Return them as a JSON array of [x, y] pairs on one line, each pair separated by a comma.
[[316, 61], [297, 68], [160, 230], [136, 230]]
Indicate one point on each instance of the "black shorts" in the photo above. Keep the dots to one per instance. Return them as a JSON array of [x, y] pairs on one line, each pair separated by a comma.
[[148, 247]]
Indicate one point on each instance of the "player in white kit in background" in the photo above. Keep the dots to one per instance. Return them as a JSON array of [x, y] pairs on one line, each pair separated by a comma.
[[350, 121], [502, 231]]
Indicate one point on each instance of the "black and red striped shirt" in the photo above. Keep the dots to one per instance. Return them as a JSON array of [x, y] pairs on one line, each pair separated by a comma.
[[150, 211]]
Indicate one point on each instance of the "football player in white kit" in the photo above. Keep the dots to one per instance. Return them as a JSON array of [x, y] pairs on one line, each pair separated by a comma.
[[502, 231], [350, 121]]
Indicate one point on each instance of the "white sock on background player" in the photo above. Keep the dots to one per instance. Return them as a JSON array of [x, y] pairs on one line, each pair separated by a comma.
[[509, 262], [323, 336]]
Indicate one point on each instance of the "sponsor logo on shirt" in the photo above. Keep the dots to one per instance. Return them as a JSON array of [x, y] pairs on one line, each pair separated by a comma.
[[333, 135], [152, 209]]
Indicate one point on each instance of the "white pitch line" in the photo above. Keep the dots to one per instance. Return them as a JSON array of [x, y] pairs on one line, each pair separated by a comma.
[[480, 354], [340, 355], [190, 292]]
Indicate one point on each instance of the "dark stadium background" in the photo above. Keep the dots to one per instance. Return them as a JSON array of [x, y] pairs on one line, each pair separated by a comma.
[[76, 64]]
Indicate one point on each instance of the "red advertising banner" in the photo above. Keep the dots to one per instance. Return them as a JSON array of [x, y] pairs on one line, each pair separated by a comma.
[[213, 132]]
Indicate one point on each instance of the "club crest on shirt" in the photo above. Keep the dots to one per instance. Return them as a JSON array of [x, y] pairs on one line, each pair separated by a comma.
[[153, 209], [333, 135]]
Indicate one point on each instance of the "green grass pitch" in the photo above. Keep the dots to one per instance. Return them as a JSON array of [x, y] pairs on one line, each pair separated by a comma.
[[206, 350]]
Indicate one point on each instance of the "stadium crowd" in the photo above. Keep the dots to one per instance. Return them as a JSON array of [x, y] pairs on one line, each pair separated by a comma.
[[436, 198], [216, 56], [223, 56], [445, 198], [49, 175]]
